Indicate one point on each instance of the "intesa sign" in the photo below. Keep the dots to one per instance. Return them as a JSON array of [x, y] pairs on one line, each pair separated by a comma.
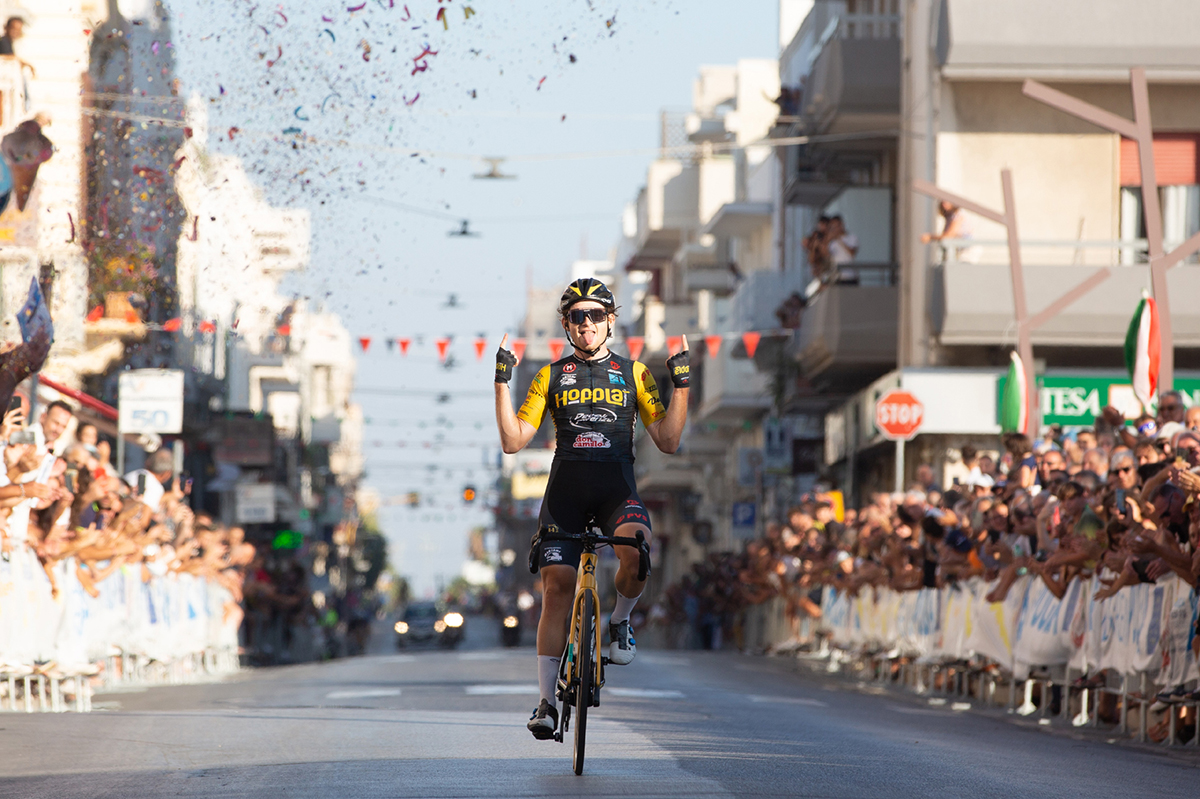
[[1076, 400]]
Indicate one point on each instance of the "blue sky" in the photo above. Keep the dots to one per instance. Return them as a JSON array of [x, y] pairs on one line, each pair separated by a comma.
[[386, 174]]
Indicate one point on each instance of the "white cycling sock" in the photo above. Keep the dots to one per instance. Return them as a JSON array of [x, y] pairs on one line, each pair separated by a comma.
[[548, 677], [623, 608]]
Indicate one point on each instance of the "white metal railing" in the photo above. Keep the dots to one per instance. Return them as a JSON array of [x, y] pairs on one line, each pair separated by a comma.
[[855, 26], [1060, 252]]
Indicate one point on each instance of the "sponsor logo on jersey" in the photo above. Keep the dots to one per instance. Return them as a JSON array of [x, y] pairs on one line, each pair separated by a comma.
[[646, 376], [569, 367], [596, 416], [613, 377], [614, 365], [552, 554], [575, 396], [567, 380], [592, 440]]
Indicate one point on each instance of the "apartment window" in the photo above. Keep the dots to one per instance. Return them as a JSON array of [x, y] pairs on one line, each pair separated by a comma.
[[1177, 172]]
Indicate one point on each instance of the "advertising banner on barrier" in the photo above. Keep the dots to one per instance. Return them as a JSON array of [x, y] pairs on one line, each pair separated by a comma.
[[1146, 628], [169, 617]]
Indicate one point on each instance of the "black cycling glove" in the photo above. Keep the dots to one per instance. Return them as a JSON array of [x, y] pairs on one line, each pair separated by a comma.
[[680, 369], [505, 363]]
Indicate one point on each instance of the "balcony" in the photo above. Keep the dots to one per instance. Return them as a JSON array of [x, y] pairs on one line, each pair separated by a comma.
[[977, 304], [848, 331], [1078, 40], [732, 389], [854, 84]]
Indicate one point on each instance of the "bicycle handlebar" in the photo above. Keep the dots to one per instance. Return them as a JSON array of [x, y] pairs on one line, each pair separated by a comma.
[[639, 542]]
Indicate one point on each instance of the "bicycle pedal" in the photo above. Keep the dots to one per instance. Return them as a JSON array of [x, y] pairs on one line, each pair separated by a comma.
[[604, 661]]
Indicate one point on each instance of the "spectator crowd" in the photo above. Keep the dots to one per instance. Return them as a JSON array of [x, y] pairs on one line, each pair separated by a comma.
[[61, 497], [1117, 501]]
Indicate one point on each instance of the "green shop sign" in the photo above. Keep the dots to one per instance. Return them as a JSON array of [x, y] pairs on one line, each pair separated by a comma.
[[1075, 401]]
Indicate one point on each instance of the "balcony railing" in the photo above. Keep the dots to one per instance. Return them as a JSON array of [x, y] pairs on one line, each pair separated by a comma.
[[1055, 252]]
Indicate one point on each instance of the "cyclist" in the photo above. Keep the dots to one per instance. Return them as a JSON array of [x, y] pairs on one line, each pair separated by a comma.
[[593, 396]]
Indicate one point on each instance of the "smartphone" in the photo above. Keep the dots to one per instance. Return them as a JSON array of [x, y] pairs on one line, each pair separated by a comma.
[[14, 404], [69, 479], [141, 484], [1121, 509], [23, 437]]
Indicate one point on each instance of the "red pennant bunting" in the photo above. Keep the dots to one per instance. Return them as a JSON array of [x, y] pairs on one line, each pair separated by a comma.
[[518, 348], [365, 343], [636, 345], [556, 348], [751, 341], [208, 327], [171, 325], [480, 346], [714, 345], [404, 343], [96, 314], [443, 345], [674, 344]]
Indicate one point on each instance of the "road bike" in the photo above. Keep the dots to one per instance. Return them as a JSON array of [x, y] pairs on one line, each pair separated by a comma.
[[581, 673]]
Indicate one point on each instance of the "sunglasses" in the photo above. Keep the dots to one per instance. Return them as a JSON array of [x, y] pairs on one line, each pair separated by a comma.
[[576, 316], [1123, 469]]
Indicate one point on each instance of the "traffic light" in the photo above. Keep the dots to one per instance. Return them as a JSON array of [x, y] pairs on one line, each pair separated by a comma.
[[468, 494]]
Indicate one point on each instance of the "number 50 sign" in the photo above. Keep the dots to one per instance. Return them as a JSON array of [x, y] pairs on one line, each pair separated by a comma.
[[151, 401]]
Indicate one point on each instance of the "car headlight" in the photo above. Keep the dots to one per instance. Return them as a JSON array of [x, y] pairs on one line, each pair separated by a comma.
[[439, 626], [510, 621], [402, 627], [453, 619]]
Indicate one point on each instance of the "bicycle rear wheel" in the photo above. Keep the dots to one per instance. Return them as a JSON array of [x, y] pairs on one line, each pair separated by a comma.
[[585, 669]]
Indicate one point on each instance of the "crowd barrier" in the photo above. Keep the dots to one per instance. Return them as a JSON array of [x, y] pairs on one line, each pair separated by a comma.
[[1144, 634], [170, 629]]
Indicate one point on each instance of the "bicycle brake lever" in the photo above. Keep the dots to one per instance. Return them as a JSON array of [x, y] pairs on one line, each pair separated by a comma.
[[643, 557]]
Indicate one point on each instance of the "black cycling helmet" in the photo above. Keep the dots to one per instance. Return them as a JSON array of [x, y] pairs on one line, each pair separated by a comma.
[[586, 288]]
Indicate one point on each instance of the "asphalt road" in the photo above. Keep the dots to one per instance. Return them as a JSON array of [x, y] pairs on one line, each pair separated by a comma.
[[452, 724]]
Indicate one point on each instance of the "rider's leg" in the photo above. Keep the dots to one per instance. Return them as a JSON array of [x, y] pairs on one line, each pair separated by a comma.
[[558, 591], [627, 583], [622, 648]]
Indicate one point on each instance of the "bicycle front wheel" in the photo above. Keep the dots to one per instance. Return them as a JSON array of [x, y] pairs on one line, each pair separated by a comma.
[[585, 670]]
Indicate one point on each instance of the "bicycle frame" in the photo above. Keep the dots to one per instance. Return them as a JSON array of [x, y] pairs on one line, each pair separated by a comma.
[[584, 584]]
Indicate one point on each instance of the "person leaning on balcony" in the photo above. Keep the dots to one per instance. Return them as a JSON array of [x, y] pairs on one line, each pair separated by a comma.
[[14, 29], [955, 225], [815, 245]]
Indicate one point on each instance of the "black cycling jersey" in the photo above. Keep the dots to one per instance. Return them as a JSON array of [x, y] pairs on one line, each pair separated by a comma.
[[593, 404]]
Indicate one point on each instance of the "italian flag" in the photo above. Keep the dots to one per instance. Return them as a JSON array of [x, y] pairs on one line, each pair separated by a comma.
[[1143, 350], [1014, 404]]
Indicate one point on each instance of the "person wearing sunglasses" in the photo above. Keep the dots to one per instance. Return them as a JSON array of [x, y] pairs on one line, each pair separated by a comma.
[[594, 397]]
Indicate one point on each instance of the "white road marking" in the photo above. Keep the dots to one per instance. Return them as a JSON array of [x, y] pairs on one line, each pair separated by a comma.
[[665, 660], [482, 656], [915, 711], [789, 700], [642, 693], [502, 690], [366, 693], [395, 659]]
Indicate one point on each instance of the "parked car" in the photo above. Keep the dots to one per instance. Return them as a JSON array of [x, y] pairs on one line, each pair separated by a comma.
[[430, 623]]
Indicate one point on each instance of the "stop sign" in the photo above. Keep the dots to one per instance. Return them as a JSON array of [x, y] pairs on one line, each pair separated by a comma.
[[898, 414]]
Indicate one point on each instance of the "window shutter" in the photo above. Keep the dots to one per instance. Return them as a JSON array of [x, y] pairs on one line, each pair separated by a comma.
[[1175, 162]]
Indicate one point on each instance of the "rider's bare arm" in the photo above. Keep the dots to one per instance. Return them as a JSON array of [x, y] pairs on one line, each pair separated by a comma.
[[514, 433], [666, 432]]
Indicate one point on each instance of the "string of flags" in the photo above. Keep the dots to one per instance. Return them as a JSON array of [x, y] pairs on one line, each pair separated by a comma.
[[635, 344]]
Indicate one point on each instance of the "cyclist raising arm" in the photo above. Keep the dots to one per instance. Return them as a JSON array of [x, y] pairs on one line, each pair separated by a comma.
[[593, 396]]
